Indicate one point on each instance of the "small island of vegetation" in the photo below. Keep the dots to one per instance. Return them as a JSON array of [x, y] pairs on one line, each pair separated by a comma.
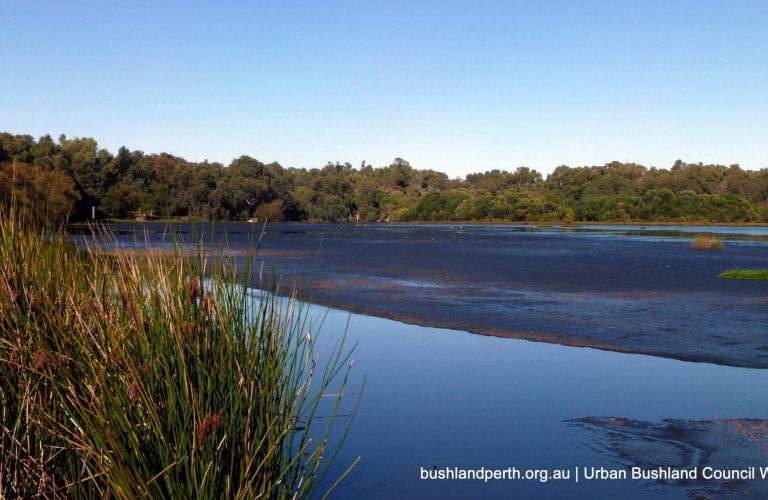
[[745, 274], [706, 242]]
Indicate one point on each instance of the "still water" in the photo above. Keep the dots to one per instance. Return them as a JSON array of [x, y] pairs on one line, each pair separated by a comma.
[[443, 398], [437, 397]]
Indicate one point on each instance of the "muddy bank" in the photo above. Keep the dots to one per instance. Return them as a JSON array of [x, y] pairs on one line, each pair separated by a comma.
[[632, 290], [607, 290], [715, 458]]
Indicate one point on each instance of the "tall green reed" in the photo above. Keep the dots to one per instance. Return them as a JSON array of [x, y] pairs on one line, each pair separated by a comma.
[[156, 374]]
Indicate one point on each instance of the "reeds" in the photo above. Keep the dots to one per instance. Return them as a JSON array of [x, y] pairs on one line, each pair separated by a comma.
[[125, 375], [707, 242]]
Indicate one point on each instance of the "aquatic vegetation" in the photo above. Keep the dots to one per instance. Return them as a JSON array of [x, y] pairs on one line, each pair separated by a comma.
[[707, 242], [143, 375], [745, 274]]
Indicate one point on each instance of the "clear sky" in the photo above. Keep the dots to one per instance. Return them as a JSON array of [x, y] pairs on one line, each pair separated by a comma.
[[453, 86]]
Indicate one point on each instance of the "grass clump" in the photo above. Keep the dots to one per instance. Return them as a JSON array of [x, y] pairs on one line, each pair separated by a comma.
[[707, 242], [131, 376], [745, 274]]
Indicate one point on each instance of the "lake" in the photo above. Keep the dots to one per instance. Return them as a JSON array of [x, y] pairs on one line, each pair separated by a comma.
[[439, 398], [436, 397]]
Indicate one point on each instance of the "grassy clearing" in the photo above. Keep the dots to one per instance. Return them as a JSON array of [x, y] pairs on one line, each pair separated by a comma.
[[745, 274], [130, 376], [707, 242]]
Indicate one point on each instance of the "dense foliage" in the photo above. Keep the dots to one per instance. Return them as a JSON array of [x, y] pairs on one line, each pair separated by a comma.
[[188, 388], [68, 178]]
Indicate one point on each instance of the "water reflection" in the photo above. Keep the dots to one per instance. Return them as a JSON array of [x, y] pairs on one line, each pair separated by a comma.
[[441, 398]]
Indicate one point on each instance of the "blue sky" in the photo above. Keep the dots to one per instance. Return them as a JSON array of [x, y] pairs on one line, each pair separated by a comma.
[[453, 86]]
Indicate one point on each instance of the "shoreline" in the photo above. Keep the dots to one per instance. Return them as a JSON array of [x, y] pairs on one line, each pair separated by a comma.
[[430, 223], [653, 296], [546, 338]]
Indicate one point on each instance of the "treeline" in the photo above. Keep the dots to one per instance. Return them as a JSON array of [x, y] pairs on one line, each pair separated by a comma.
[[69, 179]]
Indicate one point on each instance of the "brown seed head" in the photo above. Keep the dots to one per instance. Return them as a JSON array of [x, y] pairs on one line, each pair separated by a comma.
[[43, 484], [194, 289], [115, 357], [96, 306], [191, 329], [210, 422], [90, 308], [85, 309], [134, 394], [41, 361], [207, 304]]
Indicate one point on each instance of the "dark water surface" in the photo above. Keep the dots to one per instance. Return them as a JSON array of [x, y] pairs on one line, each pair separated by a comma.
[[437, 397], [635, 288]]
